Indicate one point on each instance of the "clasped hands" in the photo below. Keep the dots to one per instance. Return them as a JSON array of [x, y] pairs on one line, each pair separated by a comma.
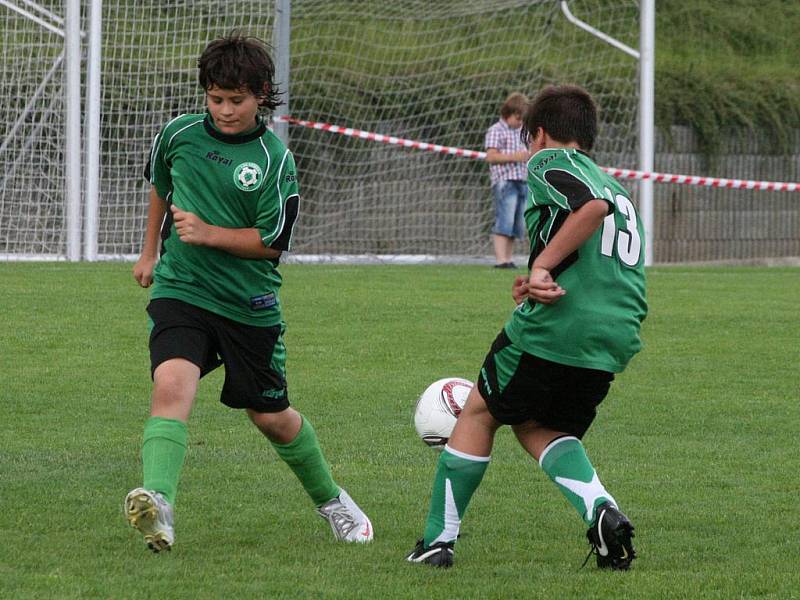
[[539, 287]]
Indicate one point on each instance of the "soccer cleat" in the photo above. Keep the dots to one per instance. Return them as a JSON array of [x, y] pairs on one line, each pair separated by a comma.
[[347, 520], [438, 555], [151, 514], [610, 537]]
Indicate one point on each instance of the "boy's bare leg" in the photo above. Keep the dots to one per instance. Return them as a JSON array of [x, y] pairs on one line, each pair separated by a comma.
[[475, 427], [281, 427], [503, 246], [174, 388]]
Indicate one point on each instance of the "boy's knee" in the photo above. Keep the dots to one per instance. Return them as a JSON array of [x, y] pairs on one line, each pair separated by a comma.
[[174, 387], [280, 427], [176, 372]]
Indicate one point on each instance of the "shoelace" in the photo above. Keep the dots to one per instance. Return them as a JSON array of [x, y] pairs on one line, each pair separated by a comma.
[[592, 550], [343, 520]]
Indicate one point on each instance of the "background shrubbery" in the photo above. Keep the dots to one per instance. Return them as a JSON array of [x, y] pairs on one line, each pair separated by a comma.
[[723, 64]]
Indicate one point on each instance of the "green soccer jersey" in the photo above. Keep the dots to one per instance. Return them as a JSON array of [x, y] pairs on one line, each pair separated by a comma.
[[596, 323], [234, 181]]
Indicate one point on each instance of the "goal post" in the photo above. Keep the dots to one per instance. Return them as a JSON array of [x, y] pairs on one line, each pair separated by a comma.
[[40, 131], [647, 128]]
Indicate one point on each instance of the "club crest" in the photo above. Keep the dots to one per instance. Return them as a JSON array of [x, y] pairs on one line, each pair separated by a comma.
[[247, 176]]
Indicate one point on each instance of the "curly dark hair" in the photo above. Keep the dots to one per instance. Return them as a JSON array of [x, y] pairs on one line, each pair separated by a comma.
[[239, 61], [567, 113]]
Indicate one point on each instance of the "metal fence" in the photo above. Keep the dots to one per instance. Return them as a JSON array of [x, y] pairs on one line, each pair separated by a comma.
[[699, 224]]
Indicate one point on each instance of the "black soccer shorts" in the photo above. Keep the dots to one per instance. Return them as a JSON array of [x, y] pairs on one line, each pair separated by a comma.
[[520, 387], [254, 357]]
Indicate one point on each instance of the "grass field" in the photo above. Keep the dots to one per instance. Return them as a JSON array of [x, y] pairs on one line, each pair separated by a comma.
[[697, 441]]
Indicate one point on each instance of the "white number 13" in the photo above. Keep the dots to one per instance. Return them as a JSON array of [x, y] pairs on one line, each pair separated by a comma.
[[629, 244]]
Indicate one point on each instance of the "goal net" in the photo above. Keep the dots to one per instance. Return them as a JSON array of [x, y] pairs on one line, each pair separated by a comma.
[[436, 72], [430, 71]]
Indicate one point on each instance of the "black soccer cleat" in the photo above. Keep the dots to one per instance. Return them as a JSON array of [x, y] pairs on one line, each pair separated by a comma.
[[610, 537], [438, 555]]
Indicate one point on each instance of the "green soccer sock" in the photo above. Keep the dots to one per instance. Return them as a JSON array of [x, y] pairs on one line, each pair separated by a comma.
[[163, 450], [457, 477], [305, 458], [565, 462]]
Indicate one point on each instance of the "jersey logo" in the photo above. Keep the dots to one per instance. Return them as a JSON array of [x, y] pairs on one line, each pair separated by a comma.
[[216, 157], [544, 161], [247, 176]]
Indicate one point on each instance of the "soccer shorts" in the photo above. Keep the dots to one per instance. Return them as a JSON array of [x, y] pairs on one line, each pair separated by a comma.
[[254, 357], [519, 387]]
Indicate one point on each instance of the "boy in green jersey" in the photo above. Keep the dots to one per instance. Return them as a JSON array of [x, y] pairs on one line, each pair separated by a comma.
[[224, 200], [576, 324]]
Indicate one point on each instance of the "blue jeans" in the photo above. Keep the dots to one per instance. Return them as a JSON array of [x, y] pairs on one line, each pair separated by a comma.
[[510, 198]]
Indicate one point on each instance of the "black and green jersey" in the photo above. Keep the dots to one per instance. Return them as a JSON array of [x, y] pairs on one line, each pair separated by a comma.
[[235, 181], [596, 323]]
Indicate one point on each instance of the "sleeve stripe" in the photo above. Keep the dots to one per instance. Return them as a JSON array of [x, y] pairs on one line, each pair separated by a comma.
[[266, 170], [585, 179], [154, 150], [153, 155], [182, 129], [550, 225], [281, 201]]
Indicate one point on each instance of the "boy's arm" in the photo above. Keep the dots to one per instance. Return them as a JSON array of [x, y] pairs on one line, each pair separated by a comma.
[[244, 243], [577, 228], [494, 156], [143, 269]]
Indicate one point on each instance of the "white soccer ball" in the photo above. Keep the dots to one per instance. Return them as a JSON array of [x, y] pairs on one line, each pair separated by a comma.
[[438, 408]]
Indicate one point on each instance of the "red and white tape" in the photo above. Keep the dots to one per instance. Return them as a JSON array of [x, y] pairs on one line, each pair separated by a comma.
[[772, 186], [747, 184], [386, 139]]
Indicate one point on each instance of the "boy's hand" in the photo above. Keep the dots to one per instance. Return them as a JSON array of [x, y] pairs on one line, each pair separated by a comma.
[[519, 290], [143, 270], [542, 288], [191, 228], [522, 156]]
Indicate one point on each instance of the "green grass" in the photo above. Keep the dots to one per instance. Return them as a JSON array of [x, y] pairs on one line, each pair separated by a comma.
[[697, 441]]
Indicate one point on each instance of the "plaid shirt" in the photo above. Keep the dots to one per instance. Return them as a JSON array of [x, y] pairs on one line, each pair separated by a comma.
[[506, 141]]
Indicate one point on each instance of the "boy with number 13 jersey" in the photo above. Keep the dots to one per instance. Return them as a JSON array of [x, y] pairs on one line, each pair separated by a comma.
[[595, 325], [576, 324]]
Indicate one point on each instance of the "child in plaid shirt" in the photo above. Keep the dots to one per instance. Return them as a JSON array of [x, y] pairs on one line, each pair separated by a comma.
[[507, 157]]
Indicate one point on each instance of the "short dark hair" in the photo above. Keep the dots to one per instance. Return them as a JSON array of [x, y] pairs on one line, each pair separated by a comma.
[[567, 113], [514, 105], [239, 61]]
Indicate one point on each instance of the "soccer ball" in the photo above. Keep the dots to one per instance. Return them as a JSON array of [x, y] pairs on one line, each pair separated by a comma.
[[438, 408]]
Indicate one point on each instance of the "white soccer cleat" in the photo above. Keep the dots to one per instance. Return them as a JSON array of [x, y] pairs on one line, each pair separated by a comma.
[[152, 515], [347, 520]]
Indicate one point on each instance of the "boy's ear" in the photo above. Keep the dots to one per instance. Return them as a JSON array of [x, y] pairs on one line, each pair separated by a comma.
[[538, 138]]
